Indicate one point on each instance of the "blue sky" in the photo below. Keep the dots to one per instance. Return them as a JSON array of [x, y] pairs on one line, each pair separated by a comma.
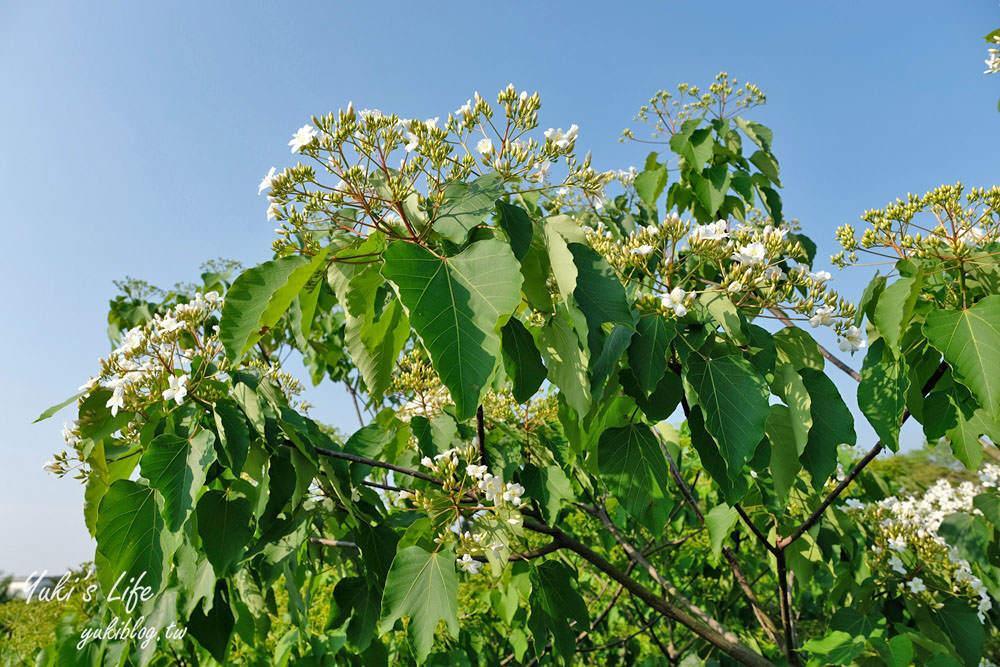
[[133, 137]]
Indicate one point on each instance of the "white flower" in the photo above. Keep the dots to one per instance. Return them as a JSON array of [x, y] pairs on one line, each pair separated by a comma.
[[597, 200], [713, 231], [303, 137], [497, 548], [560, 138], [993, 62], [427, 462], [822, 317], [751, 253], [465, 109], [170, 323], [820, 276], [853, 340], [735, 286], [266, 182], [469, 564], [431, 123], [513, 493], [897, 544], [897, 564], [543, 170], [854, 504], [628, 176], [917, 585], [492, 486], [178, 389], [485, 146], [642, 250], [117, 400], [774, 273], [355, 494], [775, 231], [675, 301], [212, 297], [51, 467], [89, 385], [412, 142], [474, 471], [272, 211]]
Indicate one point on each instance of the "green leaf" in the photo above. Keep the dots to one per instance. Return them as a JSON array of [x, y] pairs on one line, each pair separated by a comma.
[[882, 392], [895, 308], [214, 629], [632, 465], [719, 522], [695, 146], [989, 505], [103, 473], [554, 602], [549, 486], [710, 187], [467, 205], [866, 306], [970, 342], [375, 343], [521, 360], [833, 425], [796, 347], [783, 432], [968, 535], [248, 299], [57, 407], [613, 346], [963, 628], [722, 310], [225, 527], [354, 594], [734, 398], [647, 354], [457, 305], [767, 165], [423, 586], [234, 434], [600, 295], [176, 467], [565, 360], [515, 221], [130, 534], [759, 134], [650, 183]]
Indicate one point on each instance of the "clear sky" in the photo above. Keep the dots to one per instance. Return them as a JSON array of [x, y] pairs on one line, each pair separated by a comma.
[[133, 137]]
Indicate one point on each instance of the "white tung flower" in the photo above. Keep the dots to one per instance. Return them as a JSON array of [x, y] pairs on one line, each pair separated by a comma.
[[751, 253], [562, 139], [642, 250], [492, 487], [853, 340], [266, 182], [475, 471], [469, 564], [465, 109], [302, 138], [117, 400], [675, 301], [513, 493], [272, 211], [896, 564], [822, 317], [485, 146], [543, 170], [917, 585], [177, 390], [993, 62], [820, 277], [713, 231], [735, 286], [51, 467], [412, 142]]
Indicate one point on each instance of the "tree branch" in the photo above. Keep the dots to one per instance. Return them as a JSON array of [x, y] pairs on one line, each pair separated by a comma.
[[780, 314], [354, 458]]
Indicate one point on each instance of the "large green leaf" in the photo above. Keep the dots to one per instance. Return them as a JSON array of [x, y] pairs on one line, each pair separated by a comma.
[[423, 586], [970, 342], [633, 466], [895, 307], [354, 597], [466, 205], [224, 524], [457, 305], [833, 425], [882, 391], [521, 360], [130, 534], [650, 183], [598, 292], [176, 467], [259, 297], [719, 522], [647, 354], [554, 603], [734, 398], [565, 360], [515, 221], [234, 434], [48, 412], [783, 432]]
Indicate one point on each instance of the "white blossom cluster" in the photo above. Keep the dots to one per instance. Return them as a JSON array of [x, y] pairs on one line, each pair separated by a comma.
[[908, 538], [750, 256], [993, 62], [492, 524]]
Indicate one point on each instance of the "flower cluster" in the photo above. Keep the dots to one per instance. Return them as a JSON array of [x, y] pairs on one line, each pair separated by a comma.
[[907, 542], [758, 265], [489, 507], [941, 224], [993, 62], [391, 173]]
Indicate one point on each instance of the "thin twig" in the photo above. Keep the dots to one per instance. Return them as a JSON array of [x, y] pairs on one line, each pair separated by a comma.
[[333, 543]]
